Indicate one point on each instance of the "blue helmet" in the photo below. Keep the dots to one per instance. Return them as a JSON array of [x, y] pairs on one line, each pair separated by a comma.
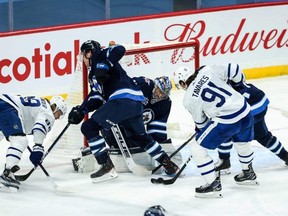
[[164, 84], [156, 210]]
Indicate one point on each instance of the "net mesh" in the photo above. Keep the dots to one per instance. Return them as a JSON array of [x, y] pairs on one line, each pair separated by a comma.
[[149, 60]]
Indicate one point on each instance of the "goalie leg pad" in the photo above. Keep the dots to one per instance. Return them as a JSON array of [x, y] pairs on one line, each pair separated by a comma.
[[141, 158], [85, 164]]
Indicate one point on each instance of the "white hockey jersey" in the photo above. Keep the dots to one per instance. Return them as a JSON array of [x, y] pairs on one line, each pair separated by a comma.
[[35, 114], [210, 97]]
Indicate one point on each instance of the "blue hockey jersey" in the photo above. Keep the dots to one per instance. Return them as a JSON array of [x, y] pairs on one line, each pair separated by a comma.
[[119, 84], [255, 97], [161, 109]]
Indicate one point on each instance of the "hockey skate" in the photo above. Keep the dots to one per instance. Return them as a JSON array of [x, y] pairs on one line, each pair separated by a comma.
[[223, 166], [212, 190], [168, 147], [8, 181], [170, 167], [105, 173], [247, 177]]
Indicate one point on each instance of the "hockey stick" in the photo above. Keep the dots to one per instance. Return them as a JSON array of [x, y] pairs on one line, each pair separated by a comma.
[[175, 152], [133, 167], [172, 180], [24, 177], [45, 172]]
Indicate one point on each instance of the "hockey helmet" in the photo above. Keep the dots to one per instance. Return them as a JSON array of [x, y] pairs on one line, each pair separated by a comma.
[[60, 104], [164, 84], [155, 211], [90, 45], [181, 75]]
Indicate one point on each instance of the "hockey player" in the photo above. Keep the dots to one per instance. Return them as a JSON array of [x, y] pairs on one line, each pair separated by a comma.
[[21, 116], [157, 107], [259, 106], [122, 105], [219, 113]]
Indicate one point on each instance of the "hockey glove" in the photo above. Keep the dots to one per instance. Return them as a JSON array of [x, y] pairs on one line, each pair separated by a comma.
[[239, 87], [36, 154], [76, 115], [197, 130], [102, 70]]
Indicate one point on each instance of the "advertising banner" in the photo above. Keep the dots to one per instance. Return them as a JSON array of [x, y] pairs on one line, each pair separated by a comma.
[[42, 61]]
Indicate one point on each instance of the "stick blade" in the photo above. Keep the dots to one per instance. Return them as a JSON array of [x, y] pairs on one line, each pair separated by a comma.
[[157, 181], [23, 177]]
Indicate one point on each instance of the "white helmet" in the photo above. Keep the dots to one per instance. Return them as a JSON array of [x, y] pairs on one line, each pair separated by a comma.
[[182, 74], [60, 104]]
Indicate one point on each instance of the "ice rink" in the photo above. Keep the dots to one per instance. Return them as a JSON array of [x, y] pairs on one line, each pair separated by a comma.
[[132, 195]]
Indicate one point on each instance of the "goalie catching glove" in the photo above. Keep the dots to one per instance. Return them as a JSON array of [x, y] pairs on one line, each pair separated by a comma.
[[36, 154], [76, 115]]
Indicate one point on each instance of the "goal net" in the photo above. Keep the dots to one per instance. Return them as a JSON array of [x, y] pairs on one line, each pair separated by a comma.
[[149, 60]]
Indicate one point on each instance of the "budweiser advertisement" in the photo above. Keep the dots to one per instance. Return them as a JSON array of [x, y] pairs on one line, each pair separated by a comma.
[[42, 61]]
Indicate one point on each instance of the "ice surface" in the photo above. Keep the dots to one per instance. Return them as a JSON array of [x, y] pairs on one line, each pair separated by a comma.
[[132, 195]]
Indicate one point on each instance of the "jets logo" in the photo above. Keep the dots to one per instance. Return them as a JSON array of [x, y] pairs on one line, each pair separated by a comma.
[[148, 115]]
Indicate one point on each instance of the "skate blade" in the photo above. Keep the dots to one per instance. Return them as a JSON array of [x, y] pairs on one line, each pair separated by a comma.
[[249, 182], [214, 194], [106, 177], [10, 189]]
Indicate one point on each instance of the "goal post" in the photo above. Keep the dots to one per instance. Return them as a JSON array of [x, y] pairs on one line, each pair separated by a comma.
[[154, 60], [149, 60]]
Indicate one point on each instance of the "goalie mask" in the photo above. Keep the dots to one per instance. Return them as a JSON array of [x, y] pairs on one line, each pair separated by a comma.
[[181, 75], [162, 88], [90, 45], [60, 104], [164, 84]]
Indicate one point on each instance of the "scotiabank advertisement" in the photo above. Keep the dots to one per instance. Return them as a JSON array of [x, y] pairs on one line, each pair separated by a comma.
[[42, 61]]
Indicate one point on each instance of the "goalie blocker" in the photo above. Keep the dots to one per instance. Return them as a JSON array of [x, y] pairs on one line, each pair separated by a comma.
[[86, 161]]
